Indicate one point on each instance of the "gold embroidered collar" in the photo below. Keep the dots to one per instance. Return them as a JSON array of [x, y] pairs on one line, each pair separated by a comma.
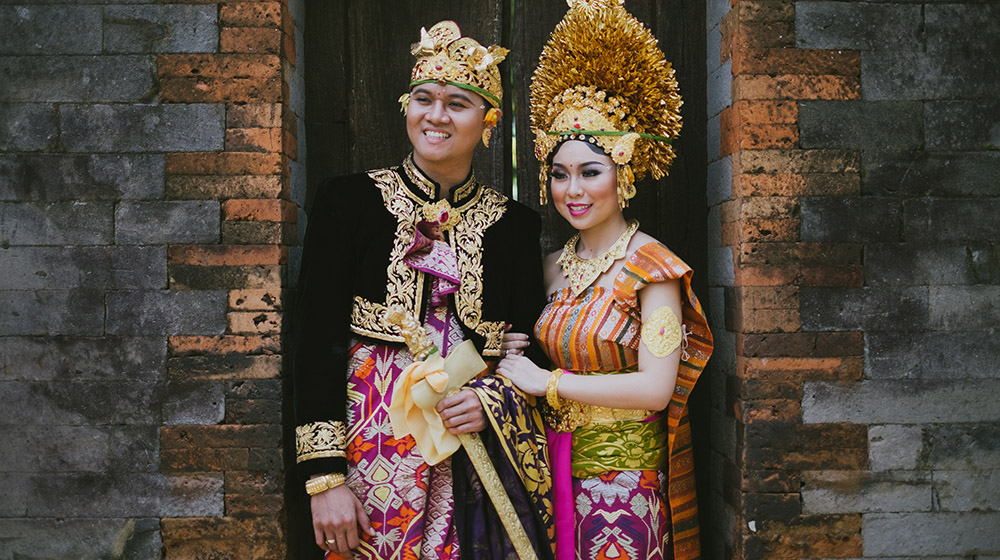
[[582, 272], [426, 190], [482, 208]]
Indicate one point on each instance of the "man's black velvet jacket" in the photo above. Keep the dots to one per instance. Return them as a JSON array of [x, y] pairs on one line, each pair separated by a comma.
[[352, 268]]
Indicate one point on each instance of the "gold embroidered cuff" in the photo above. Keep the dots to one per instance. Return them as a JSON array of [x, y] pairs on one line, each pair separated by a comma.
[[319, 440], [661, 333], [552, 389], [324, 483]]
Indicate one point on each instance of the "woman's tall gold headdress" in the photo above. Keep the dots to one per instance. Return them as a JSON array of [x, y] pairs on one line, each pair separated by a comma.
[[602, 78]]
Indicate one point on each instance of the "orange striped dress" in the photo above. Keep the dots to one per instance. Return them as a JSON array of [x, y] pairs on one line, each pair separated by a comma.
[[632, 514]]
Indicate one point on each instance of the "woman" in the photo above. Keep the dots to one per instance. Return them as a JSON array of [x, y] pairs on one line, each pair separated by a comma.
[[622, 327], [463, 260]]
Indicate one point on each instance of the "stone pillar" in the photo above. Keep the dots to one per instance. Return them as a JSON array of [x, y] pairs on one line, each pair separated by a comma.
[[146, 163], [856, 231]]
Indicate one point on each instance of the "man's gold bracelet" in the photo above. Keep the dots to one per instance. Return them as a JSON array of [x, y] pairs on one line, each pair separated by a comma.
[[324, 483]]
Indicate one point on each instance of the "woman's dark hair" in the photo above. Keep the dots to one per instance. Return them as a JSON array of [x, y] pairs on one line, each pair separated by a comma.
[[594, 147]]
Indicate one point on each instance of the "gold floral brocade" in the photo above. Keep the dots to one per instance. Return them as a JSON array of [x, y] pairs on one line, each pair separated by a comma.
[[318, 440], [405, 284]]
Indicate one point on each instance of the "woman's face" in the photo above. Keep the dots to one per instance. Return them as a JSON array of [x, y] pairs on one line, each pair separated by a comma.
[[444, 123], [584, 185]]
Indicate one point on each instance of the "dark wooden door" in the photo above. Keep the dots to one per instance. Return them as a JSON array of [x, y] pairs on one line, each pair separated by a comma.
[[358, 63]]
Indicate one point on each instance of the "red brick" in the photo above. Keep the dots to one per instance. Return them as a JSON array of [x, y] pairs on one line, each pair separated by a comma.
[[290, 144], [826, 536], [766, 321], [768, 410], [805, 253], [797, 161], [255, 115], [797, 184], [224, 277], [259, 210], [207, 78], [223, 344], [220, 436], [204, 460], [289, 120], [259, 232], [253, 505], [799, 275], [765, 10], [226, 255], [250, 40], [769, 230], [255, 300], [202, 187], [254, 140], [796, 61], [253, 538], [251, 14], [846, 368], [775, 387], [252, 411], [251, 482], [229, 366], [738, 36], [223, 163], [750, 299], [253, 322], [800, 344], [854, 458], [736, 137], [748, 112], [797, 86], [759, 208], [288, 44]]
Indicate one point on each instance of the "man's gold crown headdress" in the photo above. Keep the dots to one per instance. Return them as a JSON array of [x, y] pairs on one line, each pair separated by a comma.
[[445, 57], [602, 78]]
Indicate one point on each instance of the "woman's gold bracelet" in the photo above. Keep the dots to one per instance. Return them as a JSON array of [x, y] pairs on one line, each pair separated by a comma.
[[552, 389]]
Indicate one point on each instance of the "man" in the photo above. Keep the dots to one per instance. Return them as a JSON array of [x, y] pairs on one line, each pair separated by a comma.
[[465, 261]]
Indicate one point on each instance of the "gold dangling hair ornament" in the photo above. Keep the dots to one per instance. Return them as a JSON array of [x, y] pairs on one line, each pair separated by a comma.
[[603, 75], [491, 118], [581, 273]]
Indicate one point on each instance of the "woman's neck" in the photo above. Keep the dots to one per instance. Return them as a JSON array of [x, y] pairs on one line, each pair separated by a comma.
[[598, 239], [445, 174]]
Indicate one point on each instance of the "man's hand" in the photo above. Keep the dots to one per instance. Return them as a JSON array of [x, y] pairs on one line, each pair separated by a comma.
[[336, 514], [462, 412]]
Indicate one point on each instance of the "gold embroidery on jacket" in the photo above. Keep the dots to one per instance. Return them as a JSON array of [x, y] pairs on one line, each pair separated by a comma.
[[317, 440], [404, 285], [467, 241]]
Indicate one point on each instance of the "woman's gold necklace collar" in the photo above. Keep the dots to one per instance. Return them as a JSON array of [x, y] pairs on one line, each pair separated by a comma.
[[583, 272]]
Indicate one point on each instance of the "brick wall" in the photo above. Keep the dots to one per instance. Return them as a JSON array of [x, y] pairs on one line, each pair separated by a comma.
[[855, 218], [147, 166]]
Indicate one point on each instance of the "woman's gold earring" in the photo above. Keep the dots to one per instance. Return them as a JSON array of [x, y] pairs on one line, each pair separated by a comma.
[[486, 137]]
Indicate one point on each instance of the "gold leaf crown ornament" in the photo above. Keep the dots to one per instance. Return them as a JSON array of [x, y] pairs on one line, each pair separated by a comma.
[[602, 78], [445, 57]]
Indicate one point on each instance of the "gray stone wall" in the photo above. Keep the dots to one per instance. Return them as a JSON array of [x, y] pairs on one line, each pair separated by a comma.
[[124, 330], [927, 129]]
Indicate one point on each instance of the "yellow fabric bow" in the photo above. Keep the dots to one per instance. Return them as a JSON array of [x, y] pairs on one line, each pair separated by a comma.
[[418, 390]]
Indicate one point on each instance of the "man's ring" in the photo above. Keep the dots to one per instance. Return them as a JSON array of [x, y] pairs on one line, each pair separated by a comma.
[[331, 541], [503, 353]]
